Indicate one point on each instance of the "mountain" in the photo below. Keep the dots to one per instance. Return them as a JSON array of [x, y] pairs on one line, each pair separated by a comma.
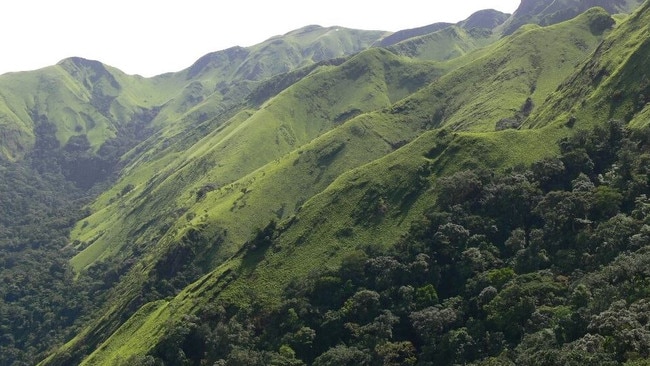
[[441, 42], [86, 97], [405, 34], [548, 12], [609, 84], [318, 199]]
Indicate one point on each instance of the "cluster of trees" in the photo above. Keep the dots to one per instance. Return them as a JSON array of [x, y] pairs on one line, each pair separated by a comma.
[[41, 198], [544, 265], [38, 296]]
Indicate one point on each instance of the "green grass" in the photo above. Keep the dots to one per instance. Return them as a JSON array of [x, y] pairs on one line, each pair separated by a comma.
[[148, 320]]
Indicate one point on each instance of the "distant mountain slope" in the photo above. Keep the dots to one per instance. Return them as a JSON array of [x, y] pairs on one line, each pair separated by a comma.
[[546, 12], [612, 84], [77, 96], [84, 97], [504, 82], [405, 34], [283, 53], [448, 42]]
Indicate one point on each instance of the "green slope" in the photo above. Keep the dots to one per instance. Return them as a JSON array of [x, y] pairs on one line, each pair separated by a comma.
[[546, 12], [367, 82], [611, 84], [78, 96], [86, 97], [228, 216], [498, 86], [453, 41], [357, 181], [243, 144]]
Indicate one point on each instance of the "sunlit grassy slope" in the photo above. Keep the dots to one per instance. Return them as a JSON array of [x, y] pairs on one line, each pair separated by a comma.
[[78, 96], [86, 97], [509, 79], [167, 187], [322, 156], [613, 84]]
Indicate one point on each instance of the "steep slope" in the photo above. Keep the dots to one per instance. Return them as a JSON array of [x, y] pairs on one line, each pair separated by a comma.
[[363, 182], [548, 12], [445, 43], [611, 84], [84, 97], [254, 138], [503, 83], [78, 97], [75, 120], [171, 203]]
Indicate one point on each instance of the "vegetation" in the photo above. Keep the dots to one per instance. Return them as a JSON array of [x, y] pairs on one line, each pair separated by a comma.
[[40, 301], [539, 266], [469, 194]]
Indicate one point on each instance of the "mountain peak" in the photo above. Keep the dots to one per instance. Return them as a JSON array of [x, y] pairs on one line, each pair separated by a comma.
[[488, 19], [213, 59], [306, 29], [80, 62], [547, 12]]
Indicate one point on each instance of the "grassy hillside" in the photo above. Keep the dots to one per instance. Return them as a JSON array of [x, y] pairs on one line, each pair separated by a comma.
[[371, 81], [347, 156], [498, 86], [548, 12], [85, 97], [609, 85], [445, 43], [77, 96], [223, 158]]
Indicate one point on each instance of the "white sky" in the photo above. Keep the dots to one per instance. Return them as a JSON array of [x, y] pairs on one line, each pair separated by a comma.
[[152, 37]]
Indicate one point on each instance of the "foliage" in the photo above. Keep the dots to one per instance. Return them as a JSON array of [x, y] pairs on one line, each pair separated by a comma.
[[39, 299], [565, 281]]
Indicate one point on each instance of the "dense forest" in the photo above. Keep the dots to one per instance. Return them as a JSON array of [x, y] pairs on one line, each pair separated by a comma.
[[42, 301], [38, 294], [539, 265]]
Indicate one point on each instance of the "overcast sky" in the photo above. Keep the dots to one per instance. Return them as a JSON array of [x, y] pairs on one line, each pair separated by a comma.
[[151, 37]]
